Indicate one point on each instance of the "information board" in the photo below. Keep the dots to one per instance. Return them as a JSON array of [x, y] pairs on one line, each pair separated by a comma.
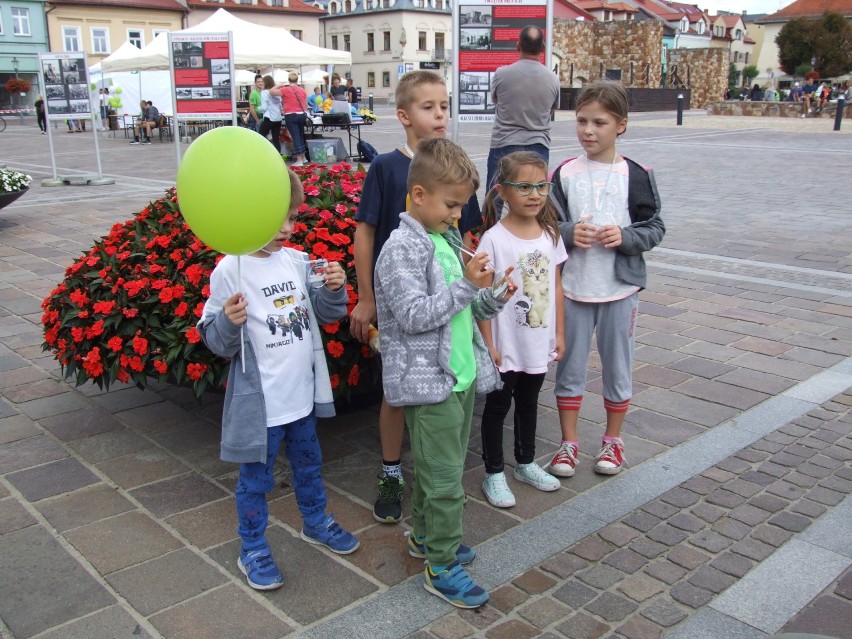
[[65, 77], [202, 69]]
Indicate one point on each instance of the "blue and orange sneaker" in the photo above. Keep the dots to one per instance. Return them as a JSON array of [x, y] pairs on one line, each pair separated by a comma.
[[454, 585]]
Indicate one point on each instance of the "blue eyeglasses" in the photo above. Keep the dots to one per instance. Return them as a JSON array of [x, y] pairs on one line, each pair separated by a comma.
[[526, 188]]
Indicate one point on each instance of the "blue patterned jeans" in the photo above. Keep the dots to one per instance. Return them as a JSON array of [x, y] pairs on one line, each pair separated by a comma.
[[303, 452]]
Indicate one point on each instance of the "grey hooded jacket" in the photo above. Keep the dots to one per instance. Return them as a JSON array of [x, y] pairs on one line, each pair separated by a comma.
[[414, 307]]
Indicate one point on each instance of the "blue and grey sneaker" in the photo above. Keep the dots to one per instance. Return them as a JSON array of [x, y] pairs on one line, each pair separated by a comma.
[[328, 533], [260, 570], [464, 555], [454, 585]]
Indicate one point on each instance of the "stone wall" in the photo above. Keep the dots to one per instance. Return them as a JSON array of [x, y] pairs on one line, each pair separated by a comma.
[[589, 49], [772, 109], [703, 71]]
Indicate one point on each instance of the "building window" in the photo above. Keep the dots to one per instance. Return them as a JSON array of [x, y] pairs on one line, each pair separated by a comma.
[[135, 38], [333, 8], [385, 79], [157, 32], [439, 46], [385, 4], [71, 39], [371, 43], [334, 42], [347, 44], [1, 25], [371, 79], [275, 3], [439, 5], [385, 40], [20, 21], [348, 6], [746, 58], [244, 1], [100, 40], [419, 3], [421, 40], [296, 33]]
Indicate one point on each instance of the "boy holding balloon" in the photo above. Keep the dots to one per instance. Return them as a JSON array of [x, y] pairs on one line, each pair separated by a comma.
[[278, 384]]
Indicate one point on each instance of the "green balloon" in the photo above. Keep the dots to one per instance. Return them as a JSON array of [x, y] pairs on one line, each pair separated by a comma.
[[233, 190]]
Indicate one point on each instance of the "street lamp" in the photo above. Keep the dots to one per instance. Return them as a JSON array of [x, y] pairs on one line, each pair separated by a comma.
[[15, 65]]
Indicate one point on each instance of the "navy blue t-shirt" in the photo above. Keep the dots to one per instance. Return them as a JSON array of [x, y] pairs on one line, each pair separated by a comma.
[[384, 194]]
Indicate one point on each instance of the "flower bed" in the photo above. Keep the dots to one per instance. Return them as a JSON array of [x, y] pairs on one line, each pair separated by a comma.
[[12, 181], [127, 309]]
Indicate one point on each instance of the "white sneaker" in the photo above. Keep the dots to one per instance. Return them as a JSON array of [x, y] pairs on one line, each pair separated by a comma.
[[497, 491], [533, 475]]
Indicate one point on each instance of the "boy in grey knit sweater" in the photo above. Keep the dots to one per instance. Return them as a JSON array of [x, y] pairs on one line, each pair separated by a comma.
[[434, 358]]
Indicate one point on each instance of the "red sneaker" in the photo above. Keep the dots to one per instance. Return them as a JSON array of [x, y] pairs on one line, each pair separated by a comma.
[[564, 461], [610, 459]]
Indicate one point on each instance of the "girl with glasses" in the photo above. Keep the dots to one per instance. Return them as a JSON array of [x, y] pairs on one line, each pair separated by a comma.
[[609, 215], [526, 337]]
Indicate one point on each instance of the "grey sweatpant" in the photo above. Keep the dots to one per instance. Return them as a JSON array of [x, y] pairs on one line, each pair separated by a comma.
[[614, 323]]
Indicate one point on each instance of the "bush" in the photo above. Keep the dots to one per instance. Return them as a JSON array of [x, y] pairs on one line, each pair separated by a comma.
[[127, 309]]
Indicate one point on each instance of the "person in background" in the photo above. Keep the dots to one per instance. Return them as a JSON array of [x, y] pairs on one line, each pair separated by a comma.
[[294, 103], [352, 94], [147, 121], [316, 100], [337, 92], [769, 93], [40, 115], [808, 92], [270, 104], [756, 93], [255, 112]]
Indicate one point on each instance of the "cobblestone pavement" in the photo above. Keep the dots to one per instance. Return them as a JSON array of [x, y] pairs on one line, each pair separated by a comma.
[[731, 521]]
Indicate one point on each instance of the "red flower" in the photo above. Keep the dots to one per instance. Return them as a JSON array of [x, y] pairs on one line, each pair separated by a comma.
[[193, 336], [140, 345], [115, 344], [335, 348], [332, 328], [79, 298], [105, 308], [354, 375], [160, 366], [182, 309], [335, 380], [195, 371]]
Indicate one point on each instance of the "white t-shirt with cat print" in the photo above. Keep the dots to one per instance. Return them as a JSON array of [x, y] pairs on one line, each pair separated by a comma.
[[524, 333]]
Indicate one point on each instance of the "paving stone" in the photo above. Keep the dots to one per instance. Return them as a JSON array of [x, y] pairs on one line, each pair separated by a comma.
[[844, 585], [142, 467], [731, 528], [772, 469], [582, 626], [107, 445], [81, 423], [826, 462], [665, 613], [617, 534], [611, 607], [543, 612], [13, 516], [677, 497], [648, 548], [660, 428], [771, 535], [734, 465], [640, 587], [825, 496], [121, 541], [828, 616], [177, 494], [687, 557], [768, 446], [710, 540], [799, 451], [639, 628], [753, 549], [113, 621], [452, 627], [743, 488], [790, 521], [689, 595], [507, 598], [534, 582], [202, 617], [564, 565], [707, 512], [481, 617], [748, 514], [665, 534], [591, 548], [626, 560], [55, 478], [724, 498], [165, 581], [575, 594], [799, 479], [709, 578], [660, 509], [83, 507], [512, 629], [665, 571], [808, 508], [732, 564], [44, 575], [769, 503], [812, 470], [29, 452], [601, 576], [751, 455], [641, 521], [687, 522], [698, 484]]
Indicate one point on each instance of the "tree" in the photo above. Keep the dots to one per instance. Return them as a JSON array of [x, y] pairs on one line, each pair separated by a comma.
[[825, 43], [733, 76], [750, 73]]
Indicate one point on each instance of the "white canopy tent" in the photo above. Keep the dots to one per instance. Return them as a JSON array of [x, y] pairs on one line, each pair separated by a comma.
[[255, 47]]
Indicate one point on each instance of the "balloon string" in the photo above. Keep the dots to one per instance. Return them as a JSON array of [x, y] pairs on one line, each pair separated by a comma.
[[243, 325]]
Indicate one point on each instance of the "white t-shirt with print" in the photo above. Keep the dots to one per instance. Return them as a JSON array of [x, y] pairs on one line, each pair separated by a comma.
[[597, 193], [524, 333], [279, 329]]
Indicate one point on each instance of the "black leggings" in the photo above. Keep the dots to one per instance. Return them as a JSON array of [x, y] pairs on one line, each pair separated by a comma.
[[268, 125], [524, 388]]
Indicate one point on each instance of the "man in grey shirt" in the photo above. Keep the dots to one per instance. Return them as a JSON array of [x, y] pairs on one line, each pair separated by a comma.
[[525, 95]]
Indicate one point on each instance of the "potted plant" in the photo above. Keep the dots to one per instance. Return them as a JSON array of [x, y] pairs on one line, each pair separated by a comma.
[[127, 309], [13, 184]]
